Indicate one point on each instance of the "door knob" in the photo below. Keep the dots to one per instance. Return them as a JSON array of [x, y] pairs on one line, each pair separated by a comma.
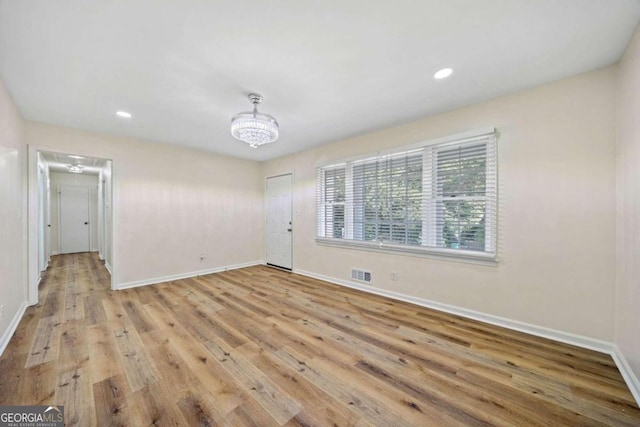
[[85, 223], [289, 229]]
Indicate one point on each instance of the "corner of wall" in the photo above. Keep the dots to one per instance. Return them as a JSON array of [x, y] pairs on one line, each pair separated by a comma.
[[627, 280]]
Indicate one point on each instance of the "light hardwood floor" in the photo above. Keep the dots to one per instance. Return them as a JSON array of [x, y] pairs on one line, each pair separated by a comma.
[[258, 346]]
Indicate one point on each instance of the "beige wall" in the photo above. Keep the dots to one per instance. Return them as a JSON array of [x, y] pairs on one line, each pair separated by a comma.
[[13, 289], [64, 179], [170, 204], [627, 335], [557, 215]]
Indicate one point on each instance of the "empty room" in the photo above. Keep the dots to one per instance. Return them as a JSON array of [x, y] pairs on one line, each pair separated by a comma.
[[249, 213]]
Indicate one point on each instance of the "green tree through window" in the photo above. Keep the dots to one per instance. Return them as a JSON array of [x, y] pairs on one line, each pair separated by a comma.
[[461, 196], [388, 200]]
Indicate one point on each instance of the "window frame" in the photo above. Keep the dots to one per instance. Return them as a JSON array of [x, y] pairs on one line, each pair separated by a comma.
[[429, 171]]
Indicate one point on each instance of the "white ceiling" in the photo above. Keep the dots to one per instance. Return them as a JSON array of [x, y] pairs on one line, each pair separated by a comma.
[[58, 162], [327, 69]]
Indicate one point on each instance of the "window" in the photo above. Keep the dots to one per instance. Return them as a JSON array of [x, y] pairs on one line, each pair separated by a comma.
[[435, 198], [333, 201]]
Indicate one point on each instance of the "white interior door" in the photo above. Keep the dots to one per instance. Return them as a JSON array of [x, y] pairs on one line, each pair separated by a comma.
[[74, 220], [279, 221]]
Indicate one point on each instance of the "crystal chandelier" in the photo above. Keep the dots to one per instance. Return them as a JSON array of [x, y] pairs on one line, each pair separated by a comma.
[[253, 127]]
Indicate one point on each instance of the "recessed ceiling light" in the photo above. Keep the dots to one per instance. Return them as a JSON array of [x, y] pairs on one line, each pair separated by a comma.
[[123, 114], [75, 157], [443, 74]]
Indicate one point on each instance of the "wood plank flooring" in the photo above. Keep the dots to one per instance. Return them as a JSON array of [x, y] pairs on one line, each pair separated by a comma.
[[263, 347]]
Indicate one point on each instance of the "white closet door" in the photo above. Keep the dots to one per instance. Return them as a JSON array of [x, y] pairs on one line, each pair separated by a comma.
[[74, 220], [279, 221]]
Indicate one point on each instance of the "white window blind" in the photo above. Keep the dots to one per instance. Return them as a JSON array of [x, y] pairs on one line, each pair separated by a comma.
[[386, 194], [436, 198], [331, 219]]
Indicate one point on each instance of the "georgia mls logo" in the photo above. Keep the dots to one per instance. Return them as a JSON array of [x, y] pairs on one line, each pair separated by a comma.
[[53, 408], [31, 416]]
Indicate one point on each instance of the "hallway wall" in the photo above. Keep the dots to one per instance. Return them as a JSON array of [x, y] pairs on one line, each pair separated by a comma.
[[13, 284]]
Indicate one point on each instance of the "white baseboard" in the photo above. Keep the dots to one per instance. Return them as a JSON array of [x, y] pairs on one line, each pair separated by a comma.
[[54, 253], [6, 337], [108, 267], [100, 256], [155, 280], [627, 373]]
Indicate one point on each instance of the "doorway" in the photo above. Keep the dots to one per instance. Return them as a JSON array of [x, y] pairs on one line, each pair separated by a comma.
[[70, 210], [279, 227]]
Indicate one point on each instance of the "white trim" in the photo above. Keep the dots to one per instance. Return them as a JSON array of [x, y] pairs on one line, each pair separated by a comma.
[[540, 331], [8, 333], [33, 269], [627, 373], [112, 240], [54, 253], [163, 279], [457, 255], [108, 267]]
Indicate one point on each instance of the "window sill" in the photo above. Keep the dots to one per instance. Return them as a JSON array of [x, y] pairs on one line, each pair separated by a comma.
[[435, 253]]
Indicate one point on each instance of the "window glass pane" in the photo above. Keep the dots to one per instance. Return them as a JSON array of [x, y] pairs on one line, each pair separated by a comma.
[[462, 224], [333, 196], [334, 185], [387, 201], [461, 194], [461, 171], [337, 225]]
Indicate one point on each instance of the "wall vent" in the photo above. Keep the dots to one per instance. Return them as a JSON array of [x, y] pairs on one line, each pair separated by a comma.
[[361, 275]]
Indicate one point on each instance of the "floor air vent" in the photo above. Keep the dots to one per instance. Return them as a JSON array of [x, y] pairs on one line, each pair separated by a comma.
[[361, 275]]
